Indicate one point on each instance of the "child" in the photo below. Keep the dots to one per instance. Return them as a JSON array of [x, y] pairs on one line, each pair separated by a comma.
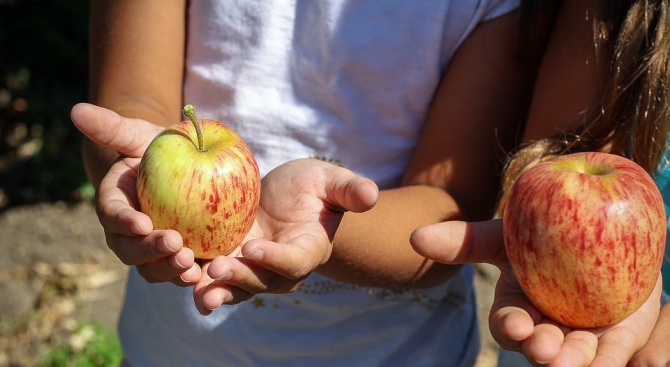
[[350, 82], [618, 102]]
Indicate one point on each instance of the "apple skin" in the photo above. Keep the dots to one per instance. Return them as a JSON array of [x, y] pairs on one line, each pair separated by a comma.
[[585, 235], [210, 197]]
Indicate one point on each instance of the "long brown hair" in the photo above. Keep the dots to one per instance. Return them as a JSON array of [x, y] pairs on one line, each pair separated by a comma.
[[633, 117]]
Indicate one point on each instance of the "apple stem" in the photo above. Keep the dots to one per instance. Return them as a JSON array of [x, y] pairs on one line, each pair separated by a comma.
[[189, 111]]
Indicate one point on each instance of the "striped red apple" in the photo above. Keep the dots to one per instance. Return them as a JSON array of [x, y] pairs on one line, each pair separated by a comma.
[[200, 178], [585, 235]]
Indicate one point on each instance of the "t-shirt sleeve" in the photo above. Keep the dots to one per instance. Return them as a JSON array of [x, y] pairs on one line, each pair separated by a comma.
[[496, 8]]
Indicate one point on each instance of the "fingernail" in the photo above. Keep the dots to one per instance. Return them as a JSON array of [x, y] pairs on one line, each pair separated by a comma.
[[168, 245], [219, 303], [178, 265], [255, 255], [227, 276], [143, 228], [191, 273]]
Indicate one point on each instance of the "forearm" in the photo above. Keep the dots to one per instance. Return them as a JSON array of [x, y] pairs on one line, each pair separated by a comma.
[[136, 63], [372, 248], [571, 68], [137, 58], [454, 171]]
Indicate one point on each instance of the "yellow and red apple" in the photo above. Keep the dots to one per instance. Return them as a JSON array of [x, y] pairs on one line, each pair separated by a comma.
[[585, 235], [200, 178]]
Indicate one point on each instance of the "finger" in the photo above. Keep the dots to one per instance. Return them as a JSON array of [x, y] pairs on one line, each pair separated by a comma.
[[115, 202], [350, 192], [340, 188], [140, 250], [618, 344], [613, 350], [216, 294], [456, 242], [652, 355], [578, 349], [179, 268], [245, 274], [657, 350], [199, 291], [510, 326], [190, 276], [293, 260], [545, 343], [129, 137], [209, 294]]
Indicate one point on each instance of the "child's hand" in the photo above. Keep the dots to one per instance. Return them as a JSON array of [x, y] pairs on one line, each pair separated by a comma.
[[515, 323], [657, 350], [157, 254], [302, 203]]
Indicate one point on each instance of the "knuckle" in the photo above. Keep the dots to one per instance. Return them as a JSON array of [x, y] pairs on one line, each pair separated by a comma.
[[301, 273], [112, 243], [239, 297], [150, 276]]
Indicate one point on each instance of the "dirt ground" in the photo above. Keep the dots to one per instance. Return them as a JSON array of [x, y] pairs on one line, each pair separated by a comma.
[[56, 271]]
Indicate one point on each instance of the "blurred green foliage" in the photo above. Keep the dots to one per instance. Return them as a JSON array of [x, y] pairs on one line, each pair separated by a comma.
[[91, 345], [43, 73]]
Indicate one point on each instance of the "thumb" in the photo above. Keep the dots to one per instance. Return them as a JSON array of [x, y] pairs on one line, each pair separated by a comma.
[[456, 242], [129, 137], [349, 192]]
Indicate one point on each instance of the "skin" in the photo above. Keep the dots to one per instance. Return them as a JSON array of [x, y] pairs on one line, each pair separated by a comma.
[[656, 352], [137, 64], [515, 323], [571, 70], [459, 180]]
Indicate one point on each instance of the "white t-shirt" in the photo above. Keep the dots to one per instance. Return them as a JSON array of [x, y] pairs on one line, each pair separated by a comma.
[[347, 80]]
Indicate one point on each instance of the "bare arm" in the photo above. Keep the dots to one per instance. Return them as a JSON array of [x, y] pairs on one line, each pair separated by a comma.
[[571, 77], [137, 52], [454, 172], [137, 68], [570, 82]]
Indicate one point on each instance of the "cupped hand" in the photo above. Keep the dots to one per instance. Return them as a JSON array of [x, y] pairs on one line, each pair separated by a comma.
[[657, 350], [518, 325], [302, 203], [158, 255]]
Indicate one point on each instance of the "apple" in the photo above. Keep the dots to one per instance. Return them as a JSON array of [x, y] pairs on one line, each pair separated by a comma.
[[585, 236], [200, 178]]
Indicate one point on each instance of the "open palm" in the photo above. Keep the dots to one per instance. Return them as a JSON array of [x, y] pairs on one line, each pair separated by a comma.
[[301, 205], [515, 323]]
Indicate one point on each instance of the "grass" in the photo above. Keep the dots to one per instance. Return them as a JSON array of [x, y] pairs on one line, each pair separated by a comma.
[[91, 345]]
